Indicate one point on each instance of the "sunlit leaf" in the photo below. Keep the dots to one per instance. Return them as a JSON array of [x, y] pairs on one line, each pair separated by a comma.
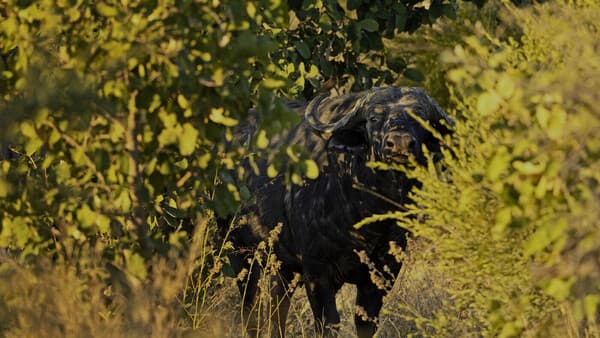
[[251, 9], [261, 139], [183, 102], [529, 168], [168, 136], [86, 216], [188, 139], [499, 164], [5, 188], [559, 288], [136, 265], [271, 171], [312, 170], [217, 116], [106, 10], [488, 102], [204, 160], [545, 235], [506, 86]]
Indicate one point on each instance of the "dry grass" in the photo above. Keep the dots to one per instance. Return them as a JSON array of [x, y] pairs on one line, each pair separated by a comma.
[[61, 300], [72, 300], [416, 295]]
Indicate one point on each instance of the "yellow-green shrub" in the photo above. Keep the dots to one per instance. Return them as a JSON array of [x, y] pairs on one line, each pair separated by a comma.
[[514, 215]]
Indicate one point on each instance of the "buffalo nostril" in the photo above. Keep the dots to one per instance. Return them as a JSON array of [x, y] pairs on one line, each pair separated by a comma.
[[390, 144]]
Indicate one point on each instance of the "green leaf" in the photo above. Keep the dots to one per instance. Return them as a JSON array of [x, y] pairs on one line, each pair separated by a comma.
[[552, 121], [188, 139], [123, 202], [296, 179], [261, 140], [204, 160], [545, 235], [63, 172], [503, 218], [271, 83], [86, 216], [302, 49], [217, 116], [183, 102], [34, 142], [369, 25], [234, 191], [353, 4], [106, 10], [505, 86], [136, 265], [401, 16], [73, 14], [117, 132], [558, 288], [488, 103], [5, 188], [414, 75], [449, 10], [498, 164], [312, 170], [529, 168], [16, 232], [313, 71], [103, 224], [168, 136], [251, 9], [28, 130], [271, 171], [591, 304], [291, 153]]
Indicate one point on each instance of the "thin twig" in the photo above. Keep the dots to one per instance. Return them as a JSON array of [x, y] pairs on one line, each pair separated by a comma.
[[361, 187], [71, 141]]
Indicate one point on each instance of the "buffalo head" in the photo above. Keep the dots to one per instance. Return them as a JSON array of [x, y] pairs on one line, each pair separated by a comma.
[[380, 121]]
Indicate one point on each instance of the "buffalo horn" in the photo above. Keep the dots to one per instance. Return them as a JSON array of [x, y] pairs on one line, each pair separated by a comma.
[[311, 114]]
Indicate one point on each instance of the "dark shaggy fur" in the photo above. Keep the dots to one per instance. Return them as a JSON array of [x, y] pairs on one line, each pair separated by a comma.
[[317, 239]]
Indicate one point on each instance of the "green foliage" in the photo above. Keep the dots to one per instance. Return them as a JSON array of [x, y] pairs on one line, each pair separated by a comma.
[[514, 214], [339, 43], [119, 108], [121, 111]]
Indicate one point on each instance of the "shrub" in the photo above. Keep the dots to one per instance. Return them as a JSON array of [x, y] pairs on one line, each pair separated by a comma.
[[513, 213]]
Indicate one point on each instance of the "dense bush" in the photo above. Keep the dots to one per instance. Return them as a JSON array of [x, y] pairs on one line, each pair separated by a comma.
[[513, 215], [120, 111]]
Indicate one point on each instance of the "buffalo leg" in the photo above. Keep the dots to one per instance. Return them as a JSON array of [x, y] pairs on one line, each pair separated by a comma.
[[280, 303], [322, 301], [370, 299]]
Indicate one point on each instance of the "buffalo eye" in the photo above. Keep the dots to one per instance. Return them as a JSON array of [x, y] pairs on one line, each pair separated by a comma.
[[374, 119]]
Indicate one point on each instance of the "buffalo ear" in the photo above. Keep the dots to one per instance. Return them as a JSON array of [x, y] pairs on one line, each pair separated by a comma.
[[347, 141]]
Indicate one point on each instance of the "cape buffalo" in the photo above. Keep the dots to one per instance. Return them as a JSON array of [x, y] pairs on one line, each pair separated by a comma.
[[317, 239]]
